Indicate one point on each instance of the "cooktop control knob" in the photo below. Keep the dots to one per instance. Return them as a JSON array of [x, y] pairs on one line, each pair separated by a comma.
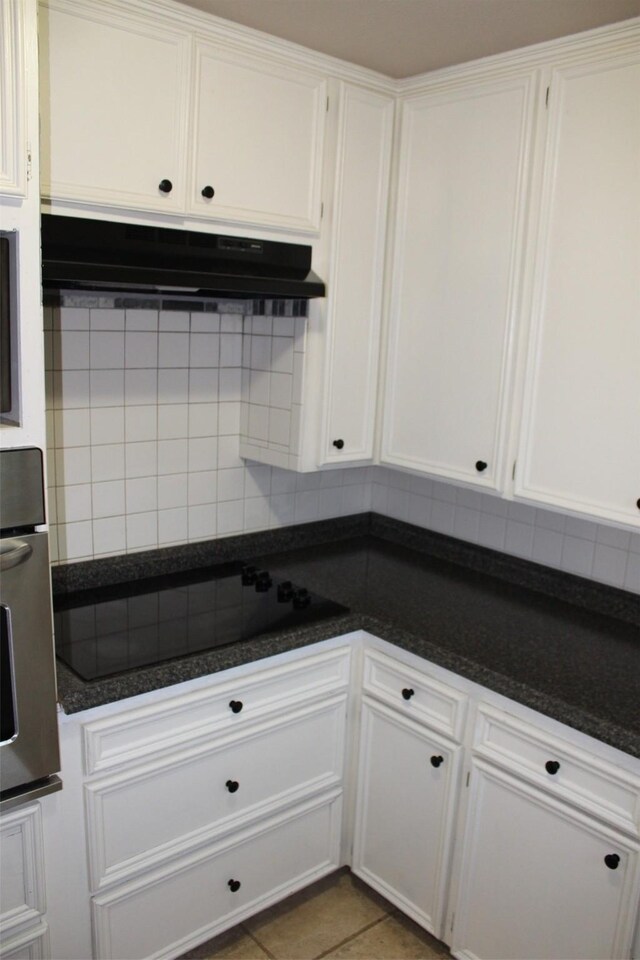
[[301, 598], [263, 581], [249, 576], [285, 591]]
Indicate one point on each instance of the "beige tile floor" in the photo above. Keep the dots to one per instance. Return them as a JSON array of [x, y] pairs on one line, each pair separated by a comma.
[[338, 917]]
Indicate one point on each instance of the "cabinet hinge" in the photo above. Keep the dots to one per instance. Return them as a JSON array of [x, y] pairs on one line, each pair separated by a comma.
[[29, 162], [546, 99], [321, 211], [327, 104], [513, 472], [468, 778], [452, 919]]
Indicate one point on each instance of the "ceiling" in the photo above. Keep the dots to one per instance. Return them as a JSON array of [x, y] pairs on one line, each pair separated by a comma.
[[401, 38]]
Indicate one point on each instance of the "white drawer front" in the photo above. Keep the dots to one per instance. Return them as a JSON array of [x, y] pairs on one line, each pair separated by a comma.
[[415, 694], [568, 772], [22, 893], [181, 720], [170, 911], [167, 808]]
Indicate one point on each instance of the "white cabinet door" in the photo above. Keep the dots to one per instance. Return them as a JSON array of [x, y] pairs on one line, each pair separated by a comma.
[[580, 447], [539, 880], [257, 140], [462, 187], [404, 813], [356, 271], [13, 147], [114, 106]]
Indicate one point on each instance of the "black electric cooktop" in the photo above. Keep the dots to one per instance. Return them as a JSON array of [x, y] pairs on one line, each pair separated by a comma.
[[110, 630]]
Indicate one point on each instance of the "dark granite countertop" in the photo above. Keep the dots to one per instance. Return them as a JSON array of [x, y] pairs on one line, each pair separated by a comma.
[[560, 644]]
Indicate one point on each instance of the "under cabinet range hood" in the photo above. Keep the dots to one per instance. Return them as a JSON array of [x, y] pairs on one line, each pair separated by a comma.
[[78, 253]]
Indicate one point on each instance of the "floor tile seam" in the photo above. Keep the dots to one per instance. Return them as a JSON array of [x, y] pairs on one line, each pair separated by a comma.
[[353, 936], [262, 947]]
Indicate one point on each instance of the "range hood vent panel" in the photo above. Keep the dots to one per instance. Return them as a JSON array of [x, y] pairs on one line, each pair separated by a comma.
[[101, 255]]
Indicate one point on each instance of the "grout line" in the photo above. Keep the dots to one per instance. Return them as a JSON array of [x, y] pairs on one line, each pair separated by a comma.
[[245, 929], [354, 936]]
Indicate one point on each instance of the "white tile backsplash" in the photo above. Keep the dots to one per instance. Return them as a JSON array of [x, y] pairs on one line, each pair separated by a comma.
[[144, 418], [574, 544]]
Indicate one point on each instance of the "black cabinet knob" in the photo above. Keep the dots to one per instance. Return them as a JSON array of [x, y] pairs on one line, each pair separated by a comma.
[[165, 186], [232, 785], [207, 192], [552, 766], [612, 860], [338, 444], [436, 761], [236, 705], [234, 885], [249, 576], [407, 693], [480, 466], [638, 503]]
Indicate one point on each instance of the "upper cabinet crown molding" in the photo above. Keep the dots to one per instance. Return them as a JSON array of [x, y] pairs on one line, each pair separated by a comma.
[[13, 147], [613, 37]]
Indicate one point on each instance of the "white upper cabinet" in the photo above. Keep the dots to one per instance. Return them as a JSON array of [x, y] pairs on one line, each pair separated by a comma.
[[356, 271], [142, 113], [257, 140], [580, 447], [114, 107], [13, 147], [463, 180]]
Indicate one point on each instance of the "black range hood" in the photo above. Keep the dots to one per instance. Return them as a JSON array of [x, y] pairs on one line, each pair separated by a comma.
[[78, 253]]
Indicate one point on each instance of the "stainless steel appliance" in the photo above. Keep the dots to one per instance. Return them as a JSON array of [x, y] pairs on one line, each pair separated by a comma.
[[29, 754]]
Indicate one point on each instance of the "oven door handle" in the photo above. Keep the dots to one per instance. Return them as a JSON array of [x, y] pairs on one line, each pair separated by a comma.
[[13, 552]]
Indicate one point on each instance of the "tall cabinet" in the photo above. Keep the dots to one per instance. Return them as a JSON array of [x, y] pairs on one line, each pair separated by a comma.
[[580, 444], [462, 192]]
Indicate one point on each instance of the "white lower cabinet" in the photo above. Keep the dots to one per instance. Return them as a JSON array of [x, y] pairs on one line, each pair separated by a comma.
[[504, 833], [167, 912], [507, 835], [23, 928], [211, 802], [405, 812], [539, 879]]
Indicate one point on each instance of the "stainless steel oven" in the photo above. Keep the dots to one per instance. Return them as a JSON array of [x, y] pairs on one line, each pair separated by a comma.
[[29, 754]]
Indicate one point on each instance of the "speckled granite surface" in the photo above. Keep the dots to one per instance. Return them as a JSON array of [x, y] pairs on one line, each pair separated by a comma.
[[559, 644]]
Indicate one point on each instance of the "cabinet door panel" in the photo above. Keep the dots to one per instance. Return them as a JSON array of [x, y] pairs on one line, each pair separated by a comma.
[[258, 132], [534, 882], [355, 285], [405, 812], [13, 148], [460, 213], [580, 447], [114, 105]]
